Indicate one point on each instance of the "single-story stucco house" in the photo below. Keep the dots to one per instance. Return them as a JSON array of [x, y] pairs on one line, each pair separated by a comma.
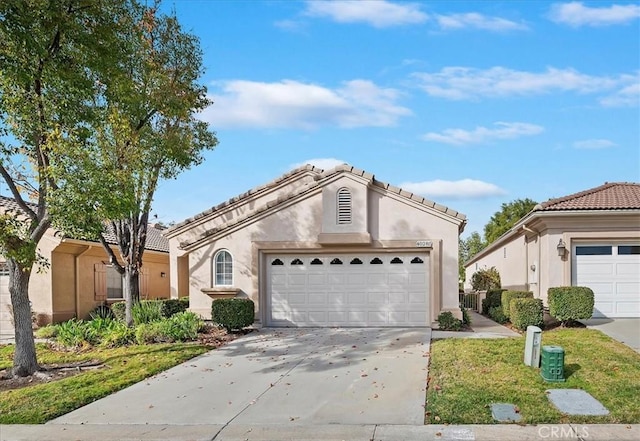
[[316, 248], [79, 277], [590, 238]]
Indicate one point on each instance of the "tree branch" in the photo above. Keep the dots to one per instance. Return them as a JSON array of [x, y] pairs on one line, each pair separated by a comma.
[[113, 260], [16, 194]]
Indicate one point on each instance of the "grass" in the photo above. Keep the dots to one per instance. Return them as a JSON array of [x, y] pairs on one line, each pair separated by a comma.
[[124, 367], [468, 375]]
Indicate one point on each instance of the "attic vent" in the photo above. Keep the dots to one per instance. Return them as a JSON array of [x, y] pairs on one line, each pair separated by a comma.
[[344, 206]]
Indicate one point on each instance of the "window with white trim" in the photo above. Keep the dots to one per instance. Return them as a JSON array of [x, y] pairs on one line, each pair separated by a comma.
[[223, 269], [343, 209]]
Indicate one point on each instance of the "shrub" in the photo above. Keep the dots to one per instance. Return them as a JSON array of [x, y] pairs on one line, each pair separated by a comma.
[[526, 312], [493, 298], [171, 307], [497, 315], [48, 331], [183, 326], [75, 333], [147, 311], [147, 333], [233, 313], [466, 318], [507, 296], [101, 311], [118, 335], [118, 310], [485, 279], [567, 303], [447, 322]]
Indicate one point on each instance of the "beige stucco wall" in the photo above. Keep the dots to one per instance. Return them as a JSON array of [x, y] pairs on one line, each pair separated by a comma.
[[393, 221], [510, 261]]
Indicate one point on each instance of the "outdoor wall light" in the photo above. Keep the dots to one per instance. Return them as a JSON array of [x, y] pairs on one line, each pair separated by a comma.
[[562, 248]]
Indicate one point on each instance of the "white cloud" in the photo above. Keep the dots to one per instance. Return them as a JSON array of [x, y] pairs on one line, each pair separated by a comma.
[[462, 189], [481, 135], [478, 21], [380, 13], [323, 163], [577, 14], [627, 96], [460, 83], [293, 104], [594, 144]]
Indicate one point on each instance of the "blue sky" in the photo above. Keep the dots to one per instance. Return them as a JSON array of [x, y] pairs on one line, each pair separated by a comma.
[[469, 103]]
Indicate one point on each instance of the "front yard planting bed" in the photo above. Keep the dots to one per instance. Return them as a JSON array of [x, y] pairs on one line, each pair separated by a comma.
[[118, 368], [467, 375]]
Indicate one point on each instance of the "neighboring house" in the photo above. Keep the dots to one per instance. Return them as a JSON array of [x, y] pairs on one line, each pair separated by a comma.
[[591, 238], [315, 248], [79, 277]]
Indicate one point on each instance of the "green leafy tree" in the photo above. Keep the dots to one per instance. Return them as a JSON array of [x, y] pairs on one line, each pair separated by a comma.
[[507, 217], [468, 248], [149, 132], [51, 55]]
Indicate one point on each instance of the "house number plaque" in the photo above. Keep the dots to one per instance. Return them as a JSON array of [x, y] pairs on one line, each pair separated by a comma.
[[424, 243]]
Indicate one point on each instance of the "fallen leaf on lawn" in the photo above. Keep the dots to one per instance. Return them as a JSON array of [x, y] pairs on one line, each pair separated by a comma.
[[436, 387], [437, 418]]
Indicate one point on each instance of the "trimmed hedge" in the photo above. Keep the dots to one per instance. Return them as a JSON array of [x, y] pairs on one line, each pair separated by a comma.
[[497, 315], [493, 298], [484, 279], [507, 296], [567, 303], [233, 313], [170, 307], [526, 312]]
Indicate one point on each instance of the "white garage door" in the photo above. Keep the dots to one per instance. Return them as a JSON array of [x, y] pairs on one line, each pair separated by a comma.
[[348, 290], [5, 301], [612, 271]]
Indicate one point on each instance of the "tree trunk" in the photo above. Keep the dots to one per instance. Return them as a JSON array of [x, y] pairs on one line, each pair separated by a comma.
[[131, 287], [24, 357]]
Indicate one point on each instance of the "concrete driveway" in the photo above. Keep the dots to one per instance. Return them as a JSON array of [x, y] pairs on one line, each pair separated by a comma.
[[625, 330], [283, 376]]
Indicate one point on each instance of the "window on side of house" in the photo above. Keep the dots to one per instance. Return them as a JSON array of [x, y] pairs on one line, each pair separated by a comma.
[[344, 209], [114, 283], [223, 268]]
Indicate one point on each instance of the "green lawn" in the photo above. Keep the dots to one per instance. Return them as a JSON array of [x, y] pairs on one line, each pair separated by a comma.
[[467, 375], [124, 367]]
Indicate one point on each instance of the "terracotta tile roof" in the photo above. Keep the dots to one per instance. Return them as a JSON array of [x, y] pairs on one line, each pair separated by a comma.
[[321, 175], [609, 196], [155, 240], [254, 191]]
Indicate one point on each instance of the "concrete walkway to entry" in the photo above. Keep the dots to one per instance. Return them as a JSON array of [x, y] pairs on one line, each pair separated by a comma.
[[481, 326]]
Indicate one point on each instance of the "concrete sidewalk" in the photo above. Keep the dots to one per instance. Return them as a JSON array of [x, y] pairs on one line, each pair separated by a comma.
[[333, 432], [625, 330], [481, 326]]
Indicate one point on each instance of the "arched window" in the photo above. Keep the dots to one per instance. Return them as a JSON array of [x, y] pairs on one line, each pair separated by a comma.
[[223, 268], [343, 199]]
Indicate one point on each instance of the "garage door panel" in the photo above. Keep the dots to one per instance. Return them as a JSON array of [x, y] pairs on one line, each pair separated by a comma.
[[628, 269], [628, 288], [365, 290], [614, 278]]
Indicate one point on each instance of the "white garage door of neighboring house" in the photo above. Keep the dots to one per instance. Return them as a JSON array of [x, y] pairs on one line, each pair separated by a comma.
[[612, 271], [6, 327], [348, 290]]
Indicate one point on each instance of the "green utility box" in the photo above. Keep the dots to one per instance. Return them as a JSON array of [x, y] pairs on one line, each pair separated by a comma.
[[552, 364]]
